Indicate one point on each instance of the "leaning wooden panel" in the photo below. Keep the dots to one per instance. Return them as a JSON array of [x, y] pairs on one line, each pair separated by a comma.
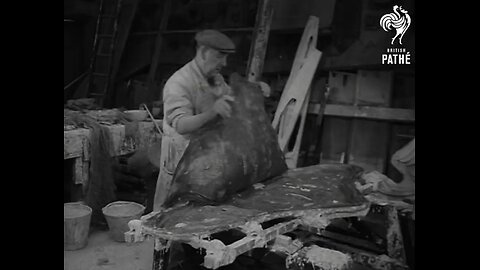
[[296, 89]]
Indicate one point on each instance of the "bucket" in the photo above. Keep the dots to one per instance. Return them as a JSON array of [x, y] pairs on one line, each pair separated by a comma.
[[118, 214], [76, 225]]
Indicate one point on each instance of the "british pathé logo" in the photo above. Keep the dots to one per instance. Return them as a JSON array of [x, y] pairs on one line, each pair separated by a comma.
[[398, 20]]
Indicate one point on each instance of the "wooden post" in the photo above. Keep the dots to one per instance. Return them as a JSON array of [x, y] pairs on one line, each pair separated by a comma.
[[158, 45], [260, 40], [125, 23], [395, 247]]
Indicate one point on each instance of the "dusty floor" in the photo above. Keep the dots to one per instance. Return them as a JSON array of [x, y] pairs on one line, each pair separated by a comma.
[[103, 253]]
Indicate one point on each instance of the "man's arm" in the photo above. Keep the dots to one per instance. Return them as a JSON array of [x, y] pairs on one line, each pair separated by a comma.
[[187, 124]]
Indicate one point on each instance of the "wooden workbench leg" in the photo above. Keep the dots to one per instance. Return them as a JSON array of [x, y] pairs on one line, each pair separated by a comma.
[[395, 248], [80, 179], [161, 254]]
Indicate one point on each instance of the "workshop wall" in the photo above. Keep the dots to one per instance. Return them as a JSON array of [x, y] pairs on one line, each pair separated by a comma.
[[349, 40]]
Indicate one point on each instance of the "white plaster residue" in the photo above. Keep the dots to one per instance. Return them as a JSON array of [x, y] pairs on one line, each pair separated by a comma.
[[251, 227], [299, 195], [258, 186], [210, 220], [315, 221], [328, 258]]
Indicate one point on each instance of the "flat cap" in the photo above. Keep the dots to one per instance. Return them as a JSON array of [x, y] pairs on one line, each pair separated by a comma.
[[216, 40]]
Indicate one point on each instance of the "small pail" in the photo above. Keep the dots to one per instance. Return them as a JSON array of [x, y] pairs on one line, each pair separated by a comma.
[[76, 225], [118, 214]]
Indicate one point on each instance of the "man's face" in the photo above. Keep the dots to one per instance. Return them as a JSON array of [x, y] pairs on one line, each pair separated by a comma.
[[214, 61]]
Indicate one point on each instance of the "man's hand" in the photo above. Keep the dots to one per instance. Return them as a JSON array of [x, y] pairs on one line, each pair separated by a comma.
[[266, 91], [188, 124], [222, 107]]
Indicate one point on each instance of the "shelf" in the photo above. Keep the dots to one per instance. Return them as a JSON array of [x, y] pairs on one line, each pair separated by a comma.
[[367, 112]]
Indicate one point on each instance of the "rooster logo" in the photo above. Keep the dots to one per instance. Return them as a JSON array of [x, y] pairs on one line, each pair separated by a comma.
[[400, 20]]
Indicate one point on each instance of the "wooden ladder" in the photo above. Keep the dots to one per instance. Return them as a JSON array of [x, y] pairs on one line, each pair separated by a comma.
[[103, 49], [111, 34]]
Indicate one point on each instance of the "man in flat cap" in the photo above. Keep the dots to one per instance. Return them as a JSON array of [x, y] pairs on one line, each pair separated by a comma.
[[192, 96]]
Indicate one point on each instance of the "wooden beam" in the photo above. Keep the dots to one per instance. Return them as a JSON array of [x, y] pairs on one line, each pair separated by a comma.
[[367, 112], [260, 40]]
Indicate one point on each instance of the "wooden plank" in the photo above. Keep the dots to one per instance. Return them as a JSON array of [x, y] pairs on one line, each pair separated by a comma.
[[260, 40], [298, 84], [295, 96], [374, 88], [342, 87], [308, 43], [366, 112]]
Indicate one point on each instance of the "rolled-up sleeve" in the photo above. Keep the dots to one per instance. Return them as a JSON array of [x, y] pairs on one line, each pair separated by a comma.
[[177, 103]]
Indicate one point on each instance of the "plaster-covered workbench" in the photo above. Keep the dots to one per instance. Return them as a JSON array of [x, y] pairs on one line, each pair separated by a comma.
[[308, 198]]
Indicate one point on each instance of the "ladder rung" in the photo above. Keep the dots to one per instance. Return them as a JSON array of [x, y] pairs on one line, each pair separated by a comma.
[[100, 74], [104, 54], [105, 36], [107, 16]]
